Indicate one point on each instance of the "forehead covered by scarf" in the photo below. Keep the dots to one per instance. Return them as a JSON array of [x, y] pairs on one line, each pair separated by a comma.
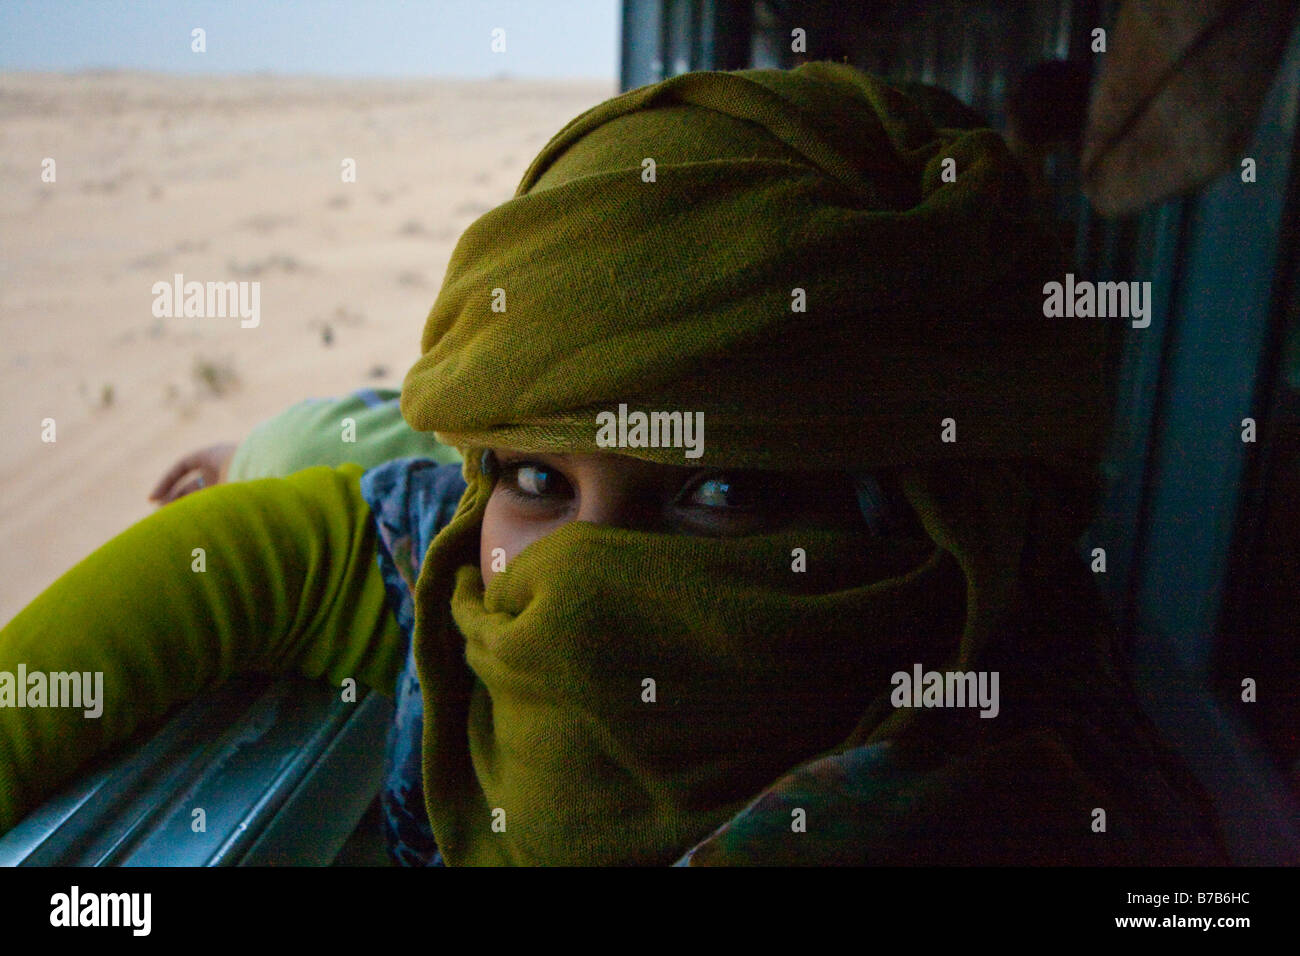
[[780, 251]]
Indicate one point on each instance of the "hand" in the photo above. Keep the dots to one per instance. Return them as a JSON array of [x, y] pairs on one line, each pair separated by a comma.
[[197, 470]]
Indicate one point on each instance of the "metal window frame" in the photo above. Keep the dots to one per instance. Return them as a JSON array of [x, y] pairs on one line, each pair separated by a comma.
[[283, 771]]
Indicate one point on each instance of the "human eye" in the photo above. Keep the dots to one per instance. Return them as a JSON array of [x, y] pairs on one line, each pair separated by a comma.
[[723, 491], [532, 481], [719, 491], [749, 501], [725, 503]]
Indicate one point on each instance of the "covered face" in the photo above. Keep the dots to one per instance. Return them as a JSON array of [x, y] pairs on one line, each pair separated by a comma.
[[765, 270]]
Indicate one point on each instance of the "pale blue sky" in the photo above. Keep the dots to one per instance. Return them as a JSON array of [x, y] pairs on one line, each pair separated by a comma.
[[544, 38]]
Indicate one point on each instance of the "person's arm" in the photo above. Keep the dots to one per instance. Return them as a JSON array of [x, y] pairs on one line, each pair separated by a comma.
[[286, 581]]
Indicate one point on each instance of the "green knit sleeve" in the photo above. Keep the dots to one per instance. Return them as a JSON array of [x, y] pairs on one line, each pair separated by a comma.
[[276, 576]]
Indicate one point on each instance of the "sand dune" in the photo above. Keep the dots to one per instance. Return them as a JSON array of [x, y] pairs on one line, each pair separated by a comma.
[[218, 179]]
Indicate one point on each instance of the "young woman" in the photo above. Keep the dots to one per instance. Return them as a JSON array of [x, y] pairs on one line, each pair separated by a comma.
[[762, 548]]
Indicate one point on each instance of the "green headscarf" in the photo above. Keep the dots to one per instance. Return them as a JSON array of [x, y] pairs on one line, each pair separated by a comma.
[[675, 292], [923, 298]]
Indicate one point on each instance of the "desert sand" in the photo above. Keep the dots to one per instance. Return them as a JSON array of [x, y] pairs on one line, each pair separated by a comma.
[[219, 179]]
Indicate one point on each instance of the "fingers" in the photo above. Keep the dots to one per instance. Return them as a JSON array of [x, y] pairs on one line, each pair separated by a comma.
[[211, 463], [174, 474], [179, 489], [189, 486]]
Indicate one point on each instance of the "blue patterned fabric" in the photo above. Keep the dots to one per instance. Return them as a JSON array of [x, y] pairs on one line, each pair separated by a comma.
[[410, 500]]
